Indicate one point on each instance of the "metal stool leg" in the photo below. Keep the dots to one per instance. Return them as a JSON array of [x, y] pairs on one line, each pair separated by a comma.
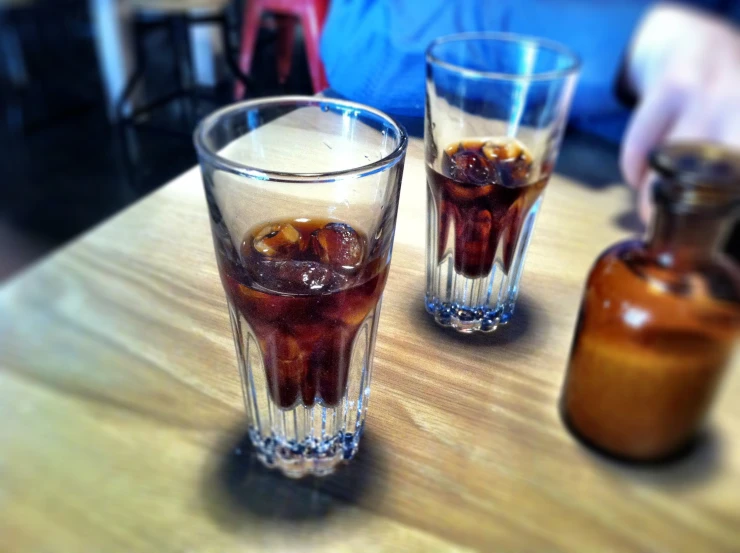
[[244, 81], [178, 29], [133, 80], [250, 30]]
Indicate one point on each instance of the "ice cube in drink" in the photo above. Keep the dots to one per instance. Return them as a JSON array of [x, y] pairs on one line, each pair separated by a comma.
[[483, 191], [304, 286]]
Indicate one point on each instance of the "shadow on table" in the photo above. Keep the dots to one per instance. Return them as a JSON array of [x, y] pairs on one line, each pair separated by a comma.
[[589, 160], [237, 487], [630, 221], [691, 467], [525, 320]]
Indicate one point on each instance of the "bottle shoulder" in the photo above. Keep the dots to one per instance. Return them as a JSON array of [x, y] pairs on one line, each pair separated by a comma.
[[628, 288], [631, 264]]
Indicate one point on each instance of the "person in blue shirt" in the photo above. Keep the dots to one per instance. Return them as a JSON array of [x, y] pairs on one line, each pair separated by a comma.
[[680, 62]]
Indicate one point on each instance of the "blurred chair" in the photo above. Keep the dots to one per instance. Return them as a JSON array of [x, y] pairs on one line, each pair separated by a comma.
[[311, 15], [178, 17]]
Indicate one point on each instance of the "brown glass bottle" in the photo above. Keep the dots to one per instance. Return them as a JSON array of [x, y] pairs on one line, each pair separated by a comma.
[[659, 318]]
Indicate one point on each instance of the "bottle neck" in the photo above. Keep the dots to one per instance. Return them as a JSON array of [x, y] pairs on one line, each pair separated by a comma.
[[683, 239]]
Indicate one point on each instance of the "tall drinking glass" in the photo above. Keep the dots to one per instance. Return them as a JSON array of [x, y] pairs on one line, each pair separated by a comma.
[[302, 194], [496, 107]]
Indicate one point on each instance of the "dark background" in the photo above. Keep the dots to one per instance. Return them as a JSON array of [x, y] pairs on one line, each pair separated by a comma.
[[62, 165]]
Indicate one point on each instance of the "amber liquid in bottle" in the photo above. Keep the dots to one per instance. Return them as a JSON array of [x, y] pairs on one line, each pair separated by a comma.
[[655, 332]]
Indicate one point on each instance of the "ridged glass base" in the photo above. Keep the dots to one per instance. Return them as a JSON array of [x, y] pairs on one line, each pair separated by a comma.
[[317, 456], [302, 440], [467, 319], [472, 304]]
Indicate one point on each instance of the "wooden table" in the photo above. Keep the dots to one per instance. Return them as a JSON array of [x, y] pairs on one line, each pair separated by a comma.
[[123, 423]]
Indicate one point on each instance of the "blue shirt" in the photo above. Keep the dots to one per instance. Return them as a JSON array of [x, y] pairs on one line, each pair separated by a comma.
[[373, 50]]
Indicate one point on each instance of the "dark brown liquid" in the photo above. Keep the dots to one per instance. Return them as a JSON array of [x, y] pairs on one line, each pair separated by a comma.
[[305, 287], [650, 347], [483, 195]]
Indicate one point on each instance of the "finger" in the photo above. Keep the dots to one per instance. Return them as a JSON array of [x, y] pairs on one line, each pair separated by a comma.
[[645, 198], [727, 117], [729, 133], [648, 126], [713, 116], [696, 122]]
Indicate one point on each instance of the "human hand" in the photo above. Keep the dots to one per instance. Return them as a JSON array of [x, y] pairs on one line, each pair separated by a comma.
[[685, 67]]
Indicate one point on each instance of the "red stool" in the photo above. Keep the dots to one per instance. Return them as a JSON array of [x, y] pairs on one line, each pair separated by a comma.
[[310, 13]]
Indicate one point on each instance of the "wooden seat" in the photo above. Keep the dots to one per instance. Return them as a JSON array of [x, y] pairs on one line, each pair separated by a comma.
[[179, 6]]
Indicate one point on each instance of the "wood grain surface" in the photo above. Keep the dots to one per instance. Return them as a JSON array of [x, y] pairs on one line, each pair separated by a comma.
[[122, 426]]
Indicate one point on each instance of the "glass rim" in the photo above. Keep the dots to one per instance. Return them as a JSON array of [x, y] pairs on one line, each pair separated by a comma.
[[224, 163], [573, 68]]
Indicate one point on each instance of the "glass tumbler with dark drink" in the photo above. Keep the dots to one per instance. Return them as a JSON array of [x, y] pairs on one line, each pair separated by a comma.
[[496, 109], [302, 194]]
